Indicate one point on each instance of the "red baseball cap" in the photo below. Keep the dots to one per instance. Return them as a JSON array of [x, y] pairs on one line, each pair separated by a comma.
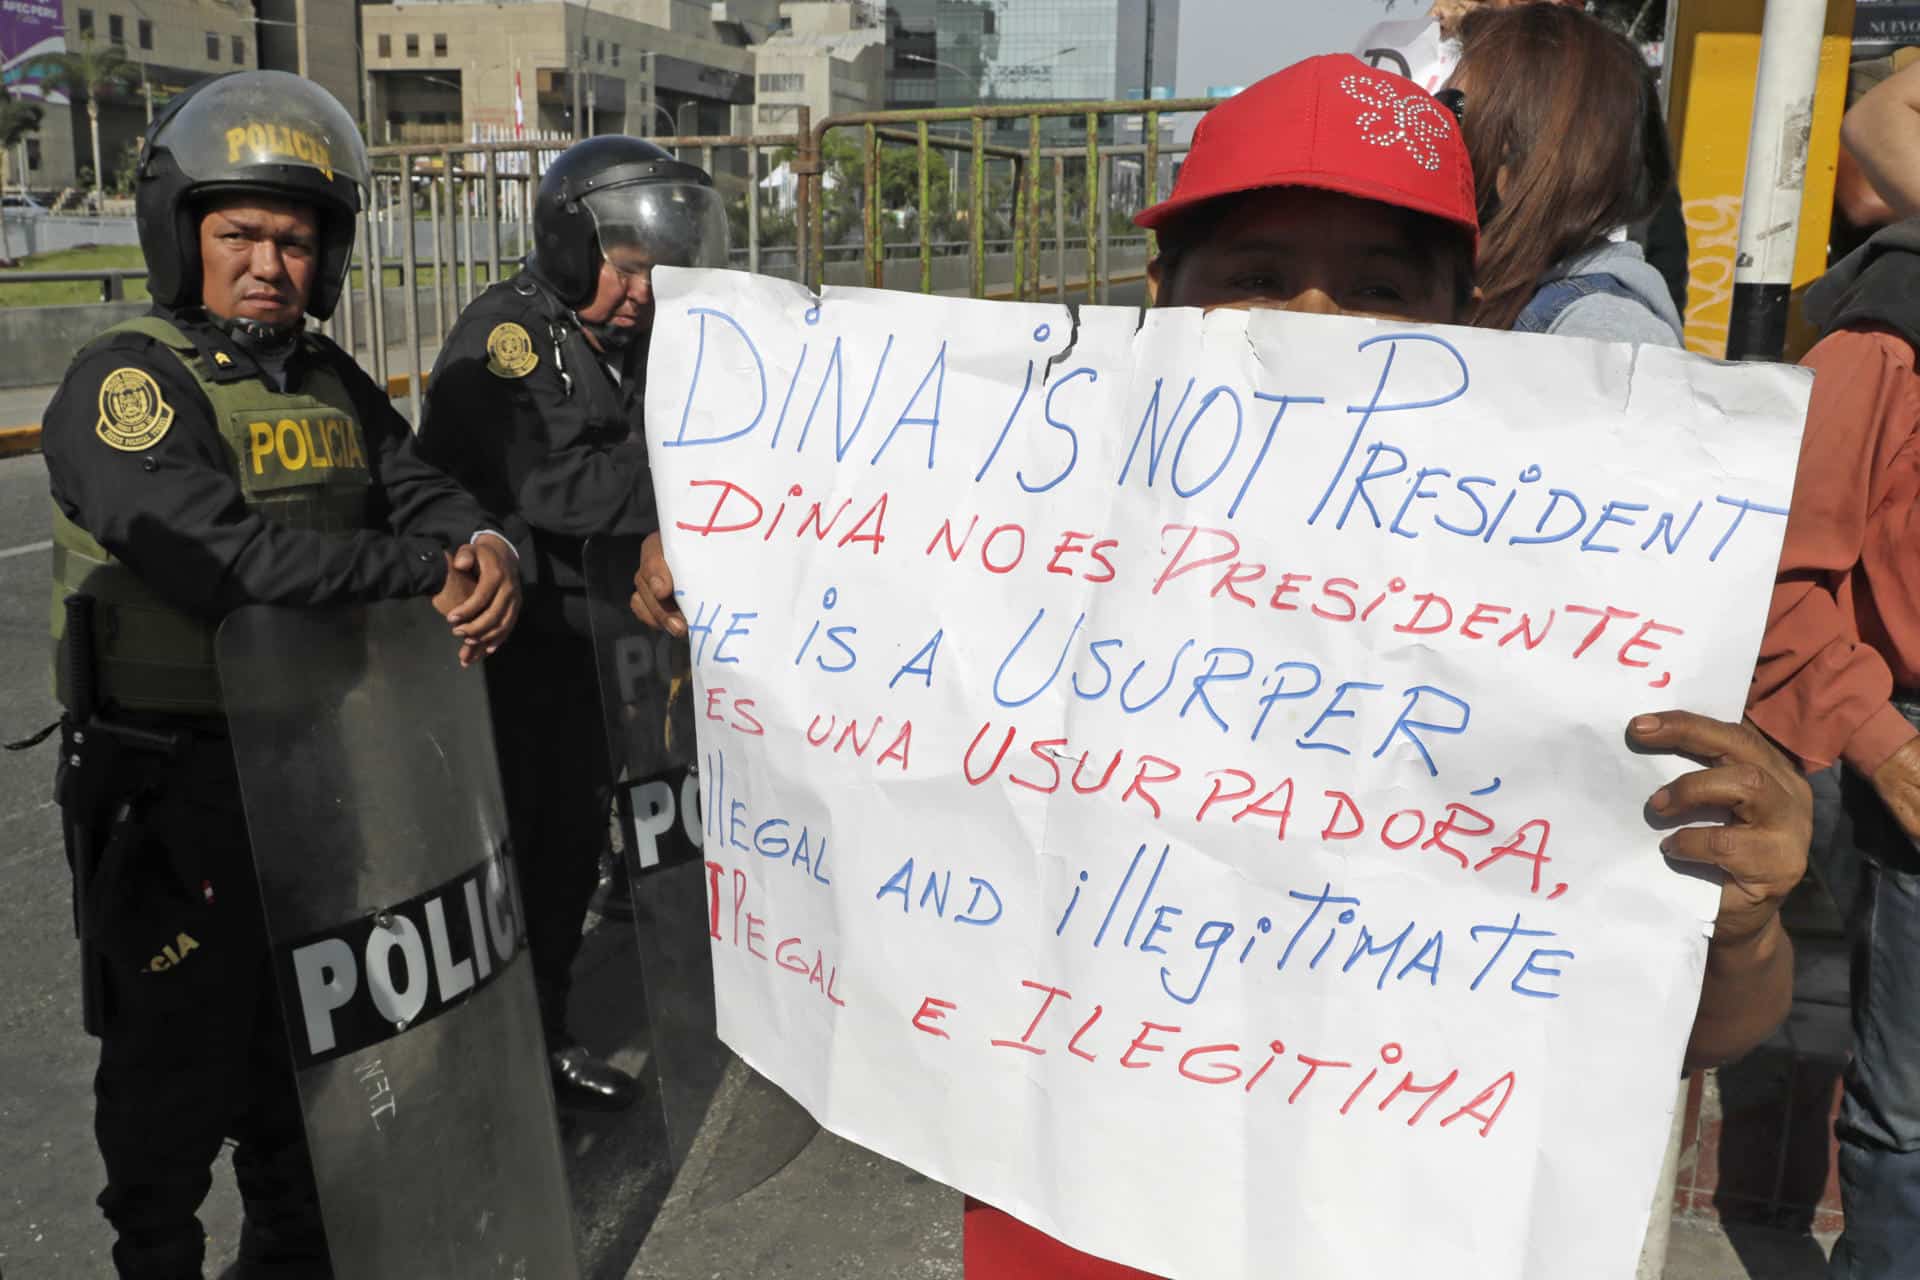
[[1334, 123]]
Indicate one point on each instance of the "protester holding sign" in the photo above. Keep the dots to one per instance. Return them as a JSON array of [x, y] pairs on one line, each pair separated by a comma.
[[1836, 682], [1326, 189], [1331, 225]]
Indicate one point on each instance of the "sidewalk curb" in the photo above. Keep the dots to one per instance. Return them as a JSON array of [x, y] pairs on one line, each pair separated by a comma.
[[15, 441], [18, 441]]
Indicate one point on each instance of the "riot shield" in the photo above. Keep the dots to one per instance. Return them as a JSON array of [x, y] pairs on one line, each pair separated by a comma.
[[647, 688], [373, 801]]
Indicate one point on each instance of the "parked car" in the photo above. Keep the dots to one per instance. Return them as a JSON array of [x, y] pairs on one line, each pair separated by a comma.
[[22, 205]]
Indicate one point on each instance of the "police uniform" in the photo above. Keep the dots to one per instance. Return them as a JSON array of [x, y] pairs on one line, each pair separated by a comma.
[[193, 471], [546, 426], [535, 421]]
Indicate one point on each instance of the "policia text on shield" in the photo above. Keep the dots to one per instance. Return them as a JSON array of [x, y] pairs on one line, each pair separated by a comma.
[[209, 455]]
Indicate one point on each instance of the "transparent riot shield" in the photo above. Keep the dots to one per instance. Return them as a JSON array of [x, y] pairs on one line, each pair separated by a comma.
[[646, 684], [367, 772]]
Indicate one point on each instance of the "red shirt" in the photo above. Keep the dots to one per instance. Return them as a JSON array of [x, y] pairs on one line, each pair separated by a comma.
[[1843, 631], [1001, 1247]]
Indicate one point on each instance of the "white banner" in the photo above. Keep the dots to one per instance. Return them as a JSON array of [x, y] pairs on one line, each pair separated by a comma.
[[1168, 779]]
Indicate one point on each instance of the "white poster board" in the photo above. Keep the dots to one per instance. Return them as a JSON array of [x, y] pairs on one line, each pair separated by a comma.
[[1171, 784]]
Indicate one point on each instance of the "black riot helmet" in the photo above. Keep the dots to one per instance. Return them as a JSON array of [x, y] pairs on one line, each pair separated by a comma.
[[265, 133], [626, 198]]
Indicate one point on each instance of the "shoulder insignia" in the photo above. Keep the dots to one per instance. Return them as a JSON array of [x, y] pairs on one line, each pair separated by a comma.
[[133, 414], [222, 359], [510, 351]]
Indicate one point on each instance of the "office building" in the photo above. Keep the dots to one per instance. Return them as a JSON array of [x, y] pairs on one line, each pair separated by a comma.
[[168, 44], [961, 52], [830, 56], [459, 70]]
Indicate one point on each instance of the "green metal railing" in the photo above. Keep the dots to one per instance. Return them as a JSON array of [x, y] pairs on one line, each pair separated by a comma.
[[450, 218], [913, 128], [477, 202]]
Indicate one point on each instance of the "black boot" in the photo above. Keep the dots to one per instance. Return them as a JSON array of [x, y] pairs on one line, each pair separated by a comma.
[[612, 898], [586, 1083]]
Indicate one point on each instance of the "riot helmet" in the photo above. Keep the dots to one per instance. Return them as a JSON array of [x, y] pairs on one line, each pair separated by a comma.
[[266, 133], [626, 199]]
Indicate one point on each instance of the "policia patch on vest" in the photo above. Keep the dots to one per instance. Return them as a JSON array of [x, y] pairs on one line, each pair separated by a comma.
[[133, 414], [510, 351]]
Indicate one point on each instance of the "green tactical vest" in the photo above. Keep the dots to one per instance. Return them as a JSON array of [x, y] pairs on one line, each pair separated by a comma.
[[300, 460]]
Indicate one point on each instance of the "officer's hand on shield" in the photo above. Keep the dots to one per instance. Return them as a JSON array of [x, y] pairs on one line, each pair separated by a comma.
[[486, 617], [653, 601]]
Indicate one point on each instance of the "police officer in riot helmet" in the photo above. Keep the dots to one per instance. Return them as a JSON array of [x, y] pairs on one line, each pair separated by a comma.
[[536, 404], [210, 454]]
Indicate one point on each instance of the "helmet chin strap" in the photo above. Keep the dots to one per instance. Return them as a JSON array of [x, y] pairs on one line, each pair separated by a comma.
[[608, 336], [255, 336]]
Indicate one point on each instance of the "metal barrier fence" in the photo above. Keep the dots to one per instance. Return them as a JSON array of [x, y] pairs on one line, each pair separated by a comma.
[[449, 215], [1095, 162], [443, 221]]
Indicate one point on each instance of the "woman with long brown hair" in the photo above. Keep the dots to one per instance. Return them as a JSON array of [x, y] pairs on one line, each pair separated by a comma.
[[1564, 129]]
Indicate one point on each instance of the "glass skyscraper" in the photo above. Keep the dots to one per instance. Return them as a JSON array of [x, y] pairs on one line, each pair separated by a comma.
[[962, 52]]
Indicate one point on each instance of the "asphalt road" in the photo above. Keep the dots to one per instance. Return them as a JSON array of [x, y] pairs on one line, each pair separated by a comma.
[[48, 1225]]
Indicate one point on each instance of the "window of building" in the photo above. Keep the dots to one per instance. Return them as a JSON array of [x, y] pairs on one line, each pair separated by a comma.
[[83, 22], [586, 48], [239, 52], [783, 82], [385, 45], [439, 44], [116, 29], [413, 44], [213, 46], [33, 153], [616, 55], [146, 33], [599, 50]]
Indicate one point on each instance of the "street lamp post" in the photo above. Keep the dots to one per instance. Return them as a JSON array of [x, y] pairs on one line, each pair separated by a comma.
[[586, 46]]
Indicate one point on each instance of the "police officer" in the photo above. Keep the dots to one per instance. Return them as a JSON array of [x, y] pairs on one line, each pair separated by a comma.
[[536, 403], [210, 454]]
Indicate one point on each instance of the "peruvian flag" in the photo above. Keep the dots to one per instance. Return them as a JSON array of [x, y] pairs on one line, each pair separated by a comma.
[[519, 116]]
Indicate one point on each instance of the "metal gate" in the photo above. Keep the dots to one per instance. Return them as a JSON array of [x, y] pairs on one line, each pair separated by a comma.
[[445, 220]]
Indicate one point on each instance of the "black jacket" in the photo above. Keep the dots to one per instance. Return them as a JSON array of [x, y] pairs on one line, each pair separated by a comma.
[[525, 412], [173, 513], [1877, 286]]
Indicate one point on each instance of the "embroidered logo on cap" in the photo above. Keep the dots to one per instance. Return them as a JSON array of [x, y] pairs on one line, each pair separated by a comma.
[[1411, 120]]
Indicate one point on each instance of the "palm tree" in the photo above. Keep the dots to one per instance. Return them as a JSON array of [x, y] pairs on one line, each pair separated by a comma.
[[17, 120], [87, 72]]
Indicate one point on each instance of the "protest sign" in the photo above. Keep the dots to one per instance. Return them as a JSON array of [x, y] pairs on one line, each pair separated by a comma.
[[1167, 777]]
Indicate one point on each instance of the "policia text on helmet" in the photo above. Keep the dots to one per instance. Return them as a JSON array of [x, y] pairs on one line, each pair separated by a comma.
[[608, 211], [248, 188]]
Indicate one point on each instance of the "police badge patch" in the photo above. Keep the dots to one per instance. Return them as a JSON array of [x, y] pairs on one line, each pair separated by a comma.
[[133, 414], [510, 352]]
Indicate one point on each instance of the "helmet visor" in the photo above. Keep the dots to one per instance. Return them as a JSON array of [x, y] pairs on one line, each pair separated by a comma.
[[254, 125], [647, 224]]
